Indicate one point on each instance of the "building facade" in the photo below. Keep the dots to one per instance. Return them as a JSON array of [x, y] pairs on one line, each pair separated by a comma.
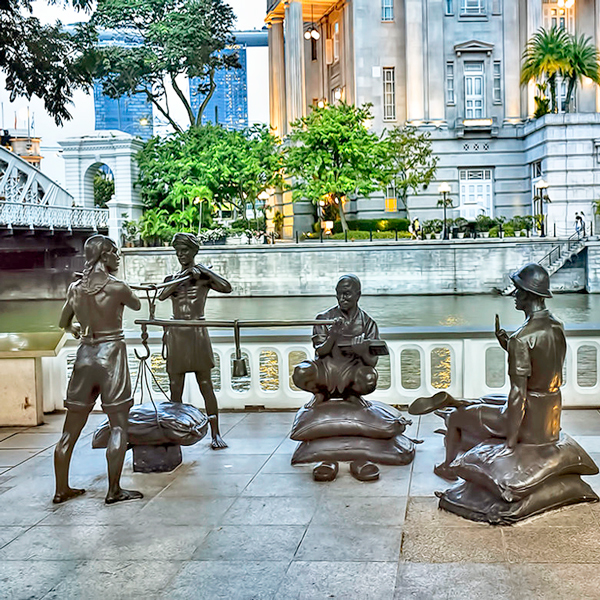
[[452, 68]]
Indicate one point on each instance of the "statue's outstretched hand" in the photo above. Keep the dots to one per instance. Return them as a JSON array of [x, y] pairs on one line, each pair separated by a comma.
[[501, 334]]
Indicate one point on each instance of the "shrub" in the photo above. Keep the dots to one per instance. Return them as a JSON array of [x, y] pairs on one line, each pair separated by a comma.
[[374, 225]]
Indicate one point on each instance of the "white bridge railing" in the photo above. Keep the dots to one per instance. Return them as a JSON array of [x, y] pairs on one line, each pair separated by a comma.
[[22, 214], [465, 363]]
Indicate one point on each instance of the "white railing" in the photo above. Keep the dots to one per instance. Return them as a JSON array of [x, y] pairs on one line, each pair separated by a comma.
[[25, 214], [466, 364]]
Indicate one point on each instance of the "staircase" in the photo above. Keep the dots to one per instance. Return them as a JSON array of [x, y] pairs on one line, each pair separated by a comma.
[[557, 257]]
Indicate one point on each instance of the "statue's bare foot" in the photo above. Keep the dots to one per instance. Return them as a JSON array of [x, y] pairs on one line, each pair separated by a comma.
[[122, 496], [318, 398], [445, 472], [360, 401], [218, 443], [67, 494]]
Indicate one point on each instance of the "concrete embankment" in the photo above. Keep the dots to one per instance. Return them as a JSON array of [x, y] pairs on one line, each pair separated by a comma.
[[403, 268]]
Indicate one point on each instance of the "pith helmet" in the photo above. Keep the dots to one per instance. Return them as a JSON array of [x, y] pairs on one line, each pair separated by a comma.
[[533, 278]]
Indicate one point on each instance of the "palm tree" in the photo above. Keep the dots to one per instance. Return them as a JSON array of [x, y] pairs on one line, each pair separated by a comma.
[[546, 56], [584, 61]]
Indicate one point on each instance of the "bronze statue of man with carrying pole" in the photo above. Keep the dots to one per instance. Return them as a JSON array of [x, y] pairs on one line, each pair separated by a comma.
[[188, 349]]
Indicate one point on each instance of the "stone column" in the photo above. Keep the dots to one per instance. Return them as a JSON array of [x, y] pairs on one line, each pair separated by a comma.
[[294, 61], [277, 101], [512, 57], [534, 22], [436, 96], [415, 57]]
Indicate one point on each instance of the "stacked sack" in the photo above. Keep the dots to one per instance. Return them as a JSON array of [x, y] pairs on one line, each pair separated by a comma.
[[503, 487], [341, 430]]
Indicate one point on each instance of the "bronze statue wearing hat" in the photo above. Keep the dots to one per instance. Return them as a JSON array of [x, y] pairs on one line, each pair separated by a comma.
[[96, 302], [536, 352], [188, 348]]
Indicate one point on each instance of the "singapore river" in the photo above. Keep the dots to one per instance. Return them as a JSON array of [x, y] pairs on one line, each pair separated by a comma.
[[388, 311]]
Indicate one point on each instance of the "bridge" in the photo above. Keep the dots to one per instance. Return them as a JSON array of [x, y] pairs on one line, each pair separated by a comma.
[[30, 199]]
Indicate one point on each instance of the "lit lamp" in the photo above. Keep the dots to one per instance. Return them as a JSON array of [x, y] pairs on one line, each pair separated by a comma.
[[444, 190], [542, 196], [312, 32]]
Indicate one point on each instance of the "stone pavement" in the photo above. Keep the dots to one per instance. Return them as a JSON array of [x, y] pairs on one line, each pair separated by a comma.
[[243, 524]]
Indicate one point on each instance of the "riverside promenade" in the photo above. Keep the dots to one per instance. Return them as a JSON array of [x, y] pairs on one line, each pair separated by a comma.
[[243, 524]]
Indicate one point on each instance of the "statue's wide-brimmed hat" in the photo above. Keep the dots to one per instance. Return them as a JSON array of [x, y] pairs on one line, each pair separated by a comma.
[[186, 239], [533, 278]]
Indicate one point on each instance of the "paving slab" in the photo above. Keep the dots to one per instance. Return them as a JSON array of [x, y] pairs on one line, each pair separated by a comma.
[[228, 580], [333, 579], [251, 542]]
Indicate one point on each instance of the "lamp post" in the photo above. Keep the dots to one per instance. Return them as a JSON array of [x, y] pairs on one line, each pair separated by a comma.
[[542, 196], [444, 190]]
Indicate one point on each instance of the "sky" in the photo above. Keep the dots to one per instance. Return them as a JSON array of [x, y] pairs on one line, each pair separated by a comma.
[[250, 13]]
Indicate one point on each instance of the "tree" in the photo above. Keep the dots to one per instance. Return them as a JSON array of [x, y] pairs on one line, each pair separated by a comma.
[[229, 168], [546, 56], [104, 189], [413, 163], [332, 155], [583, 61], [176, 38], [44, 60]]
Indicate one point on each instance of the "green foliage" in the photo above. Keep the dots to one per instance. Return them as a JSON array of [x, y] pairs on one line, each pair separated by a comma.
[[179, 37], [461, 223], [225, 168], [365, 235], [44, 60], [553, 53], [374, 225], [583, 61], [542, 103], [413, 163], [333, 155], [278, 221], [484, 223], [154, 228], [546, 56], [104, 188], [131, 232], [519, 223]]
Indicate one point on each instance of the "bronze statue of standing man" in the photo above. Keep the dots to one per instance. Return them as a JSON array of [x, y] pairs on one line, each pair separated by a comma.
[[96, 303], [188, 348]]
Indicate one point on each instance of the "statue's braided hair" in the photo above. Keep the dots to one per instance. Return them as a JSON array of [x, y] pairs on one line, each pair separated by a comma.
[[92, 250]]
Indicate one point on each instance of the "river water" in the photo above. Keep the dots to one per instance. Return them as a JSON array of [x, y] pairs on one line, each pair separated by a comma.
[[388, 311]]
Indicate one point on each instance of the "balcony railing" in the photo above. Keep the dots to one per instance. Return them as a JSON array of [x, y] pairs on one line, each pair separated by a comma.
[[24, 214]]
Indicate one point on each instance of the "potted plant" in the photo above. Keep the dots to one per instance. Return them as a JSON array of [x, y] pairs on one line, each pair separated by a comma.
[[426, 229], [462, 225], [437, 225], [483, 224]]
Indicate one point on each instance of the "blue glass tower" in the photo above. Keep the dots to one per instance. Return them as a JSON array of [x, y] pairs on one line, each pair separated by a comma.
[[131, 114], [229, 103]]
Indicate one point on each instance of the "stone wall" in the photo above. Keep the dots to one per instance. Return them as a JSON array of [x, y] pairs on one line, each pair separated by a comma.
[[457, 267]]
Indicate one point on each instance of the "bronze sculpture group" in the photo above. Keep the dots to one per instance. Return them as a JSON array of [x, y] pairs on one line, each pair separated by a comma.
[[510, 455]]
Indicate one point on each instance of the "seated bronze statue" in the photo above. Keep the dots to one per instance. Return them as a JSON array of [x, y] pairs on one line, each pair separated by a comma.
[[503, 450], [338, 423]]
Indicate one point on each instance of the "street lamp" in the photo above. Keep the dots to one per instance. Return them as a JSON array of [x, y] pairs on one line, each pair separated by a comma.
[[542, 196], [444, 189]]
